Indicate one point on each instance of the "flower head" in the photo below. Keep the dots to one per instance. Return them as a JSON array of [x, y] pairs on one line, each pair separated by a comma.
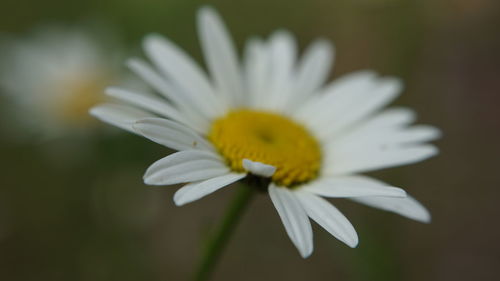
[[57, 74], [272, 116]]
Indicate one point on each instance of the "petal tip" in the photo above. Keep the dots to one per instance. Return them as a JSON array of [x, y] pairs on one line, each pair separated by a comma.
[[354, 243], [424, 217], [325, 45], [206, 13], [148, 177], [178, 200], [153, 42], [437, 133], [133, 63], [152, 37], [111, 90], [147, 180], [399, 192], [306, 254], [94, 111], [427, 151], [433, 150]]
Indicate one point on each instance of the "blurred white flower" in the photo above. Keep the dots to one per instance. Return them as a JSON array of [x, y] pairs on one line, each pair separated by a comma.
[[55, 75], [272, 116]]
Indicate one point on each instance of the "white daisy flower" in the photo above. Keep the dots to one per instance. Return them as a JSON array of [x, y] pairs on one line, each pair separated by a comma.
[[57, 74], [272, 116]]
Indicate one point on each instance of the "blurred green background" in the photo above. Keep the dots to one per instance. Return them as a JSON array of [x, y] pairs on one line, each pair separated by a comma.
[[70, 210]]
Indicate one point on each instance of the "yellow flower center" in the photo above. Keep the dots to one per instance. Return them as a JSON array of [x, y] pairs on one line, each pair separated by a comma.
[[268, 138]]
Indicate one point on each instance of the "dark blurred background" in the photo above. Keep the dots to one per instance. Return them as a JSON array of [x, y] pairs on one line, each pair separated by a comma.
[[78, 210]]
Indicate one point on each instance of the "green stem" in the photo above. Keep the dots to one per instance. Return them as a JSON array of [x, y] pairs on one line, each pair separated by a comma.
[[223, 233]]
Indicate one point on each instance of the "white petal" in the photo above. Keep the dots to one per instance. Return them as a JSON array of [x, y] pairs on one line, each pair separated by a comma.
[[194, 191], [384, 91], [220, 55], [407, 207], [159, 83], [348, 162], [282, 55], [352, 186], [412, 135], [258, 168], [418, 133], [329, 217], [171, 134], [313, 70], [391, 119], [256, 72], [336, 98], [173, 94], [119, 115], [294, 218], [185, 166], [394, 117], [146, 101], [384, 139], [184, 72]]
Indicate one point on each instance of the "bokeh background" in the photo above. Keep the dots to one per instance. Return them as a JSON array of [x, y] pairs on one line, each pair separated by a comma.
[[75, 209]]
